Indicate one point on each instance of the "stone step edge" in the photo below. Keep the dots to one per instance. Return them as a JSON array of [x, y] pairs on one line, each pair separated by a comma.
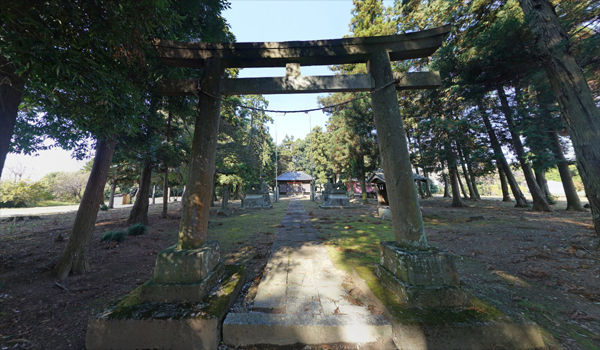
[[243, 329]]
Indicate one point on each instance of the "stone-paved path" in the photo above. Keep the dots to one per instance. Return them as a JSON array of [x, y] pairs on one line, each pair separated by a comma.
[[300, 298], [300, 277]]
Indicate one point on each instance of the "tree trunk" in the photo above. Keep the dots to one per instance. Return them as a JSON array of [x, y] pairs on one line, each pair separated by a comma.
[[539, 200], [446, 189], [578, 109], [545, 101], [153, 194], [363, 186], [521, 201], [468, 182], [213, 198], [503, 185], [473, 181], [165, 205], [75, 257], [111, 198], [468, 179], [540, 178], [461, 186], [236, 193], [456, 201], [11, 93], [139, 212], [573, 202]]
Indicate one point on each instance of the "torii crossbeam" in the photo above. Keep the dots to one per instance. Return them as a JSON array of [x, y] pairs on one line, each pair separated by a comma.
[[294, 54]]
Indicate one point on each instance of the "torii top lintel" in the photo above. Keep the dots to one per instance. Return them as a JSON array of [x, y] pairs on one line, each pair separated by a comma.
[[306, 53]]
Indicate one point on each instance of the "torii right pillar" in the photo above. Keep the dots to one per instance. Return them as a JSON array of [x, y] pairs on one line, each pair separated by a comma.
[[419, 275]]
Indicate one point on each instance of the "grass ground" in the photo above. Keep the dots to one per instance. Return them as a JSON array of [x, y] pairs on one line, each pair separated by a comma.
[[53, 203]]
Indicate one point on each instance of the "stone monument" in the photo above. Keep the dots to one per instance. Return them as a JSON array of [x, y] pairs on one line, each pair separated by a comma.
[[335, 196], [257, 196]]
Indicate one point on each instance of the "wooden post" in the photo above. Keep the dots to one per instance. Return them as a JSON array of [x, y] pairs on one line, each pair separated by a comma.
[[402, 194], [196, 200]]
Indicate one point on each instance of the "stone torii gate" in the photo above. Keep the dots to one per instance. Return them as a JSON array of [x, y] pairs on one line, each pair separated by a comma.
[[192, 252]]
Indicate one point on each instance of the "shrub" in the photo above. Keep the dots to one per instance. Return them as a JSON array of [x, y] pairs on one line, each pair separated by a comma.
[[136, 230], [103, 207], [20, 193], [114, 236], [551, 199]]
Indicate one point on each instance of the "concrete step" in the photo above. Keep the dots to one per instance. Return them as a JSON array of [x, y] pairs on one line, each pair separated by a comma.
[[256, 328]]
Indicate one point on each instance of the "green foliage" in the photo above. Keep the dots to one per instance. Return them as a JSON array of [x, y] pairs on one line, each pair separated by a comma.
[[103, 207], [114, 236], [245, 149], [295, 154], [20, 193], [89, 67], [553, 175], [136, 230], [490, 47], [354, 145]]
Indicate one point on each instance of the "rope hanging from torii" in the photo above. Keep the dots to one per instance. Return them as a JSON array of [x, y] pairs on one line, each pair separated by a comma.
[[395, 81]]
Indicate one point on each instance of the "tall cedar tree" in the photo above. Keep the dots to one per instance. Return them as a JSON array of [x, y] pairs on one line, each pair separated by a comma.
[[578, 109]]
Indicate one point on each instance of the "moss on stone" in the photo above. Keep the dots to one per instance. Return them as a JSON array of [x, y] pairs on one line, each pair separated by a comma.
[[216, 303], [478, 312], [213, 305]]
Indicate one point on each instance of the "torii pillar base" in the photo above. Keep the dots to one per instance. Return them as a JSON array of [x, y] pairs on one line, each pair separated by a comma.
[[421, 278]]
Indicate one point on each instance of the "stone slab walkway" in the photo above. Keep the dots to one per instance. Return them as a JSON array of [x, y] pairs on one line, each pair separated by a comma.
[[300, 277], [301, 291]]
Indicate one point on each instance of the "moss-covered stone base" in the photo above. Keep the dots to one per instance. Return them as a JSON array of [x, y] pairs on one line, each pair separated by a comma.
[[186, 265], [191, 292], [422, 296], [419, 267], [136, 324], [476, 326]]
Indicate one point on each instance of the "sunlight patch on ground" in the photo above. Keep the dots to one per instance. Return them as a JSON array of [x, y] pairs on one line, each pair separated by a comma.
[[512, 279]]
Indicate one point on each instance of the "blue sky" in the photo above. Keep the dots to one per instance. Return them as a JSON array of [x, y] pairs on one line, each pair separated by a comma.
[[290, 20], [251, 21]]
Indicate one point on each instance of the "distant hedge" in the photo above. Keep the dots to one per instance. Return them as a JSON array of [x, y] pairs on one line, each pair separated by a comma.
[[22, 193]]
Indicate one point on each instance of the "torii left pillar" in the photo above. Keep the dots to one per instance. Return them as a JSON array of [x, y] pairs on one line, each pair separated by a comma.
[[190, 269]]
